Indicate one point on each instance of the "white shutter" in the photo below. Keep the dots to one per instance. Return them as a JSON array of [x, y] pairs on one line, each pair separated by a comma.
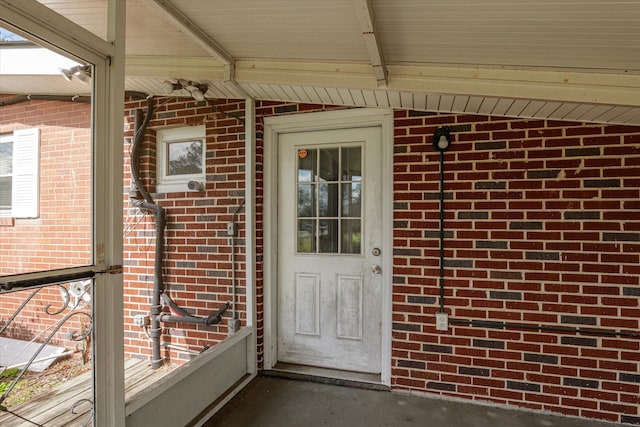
[[26, 162]]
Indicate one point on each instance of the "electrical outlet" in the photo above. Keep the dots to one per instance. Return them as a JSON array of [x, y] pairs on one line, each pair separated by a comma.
[[140, 320], [442, 322], [231, 229]]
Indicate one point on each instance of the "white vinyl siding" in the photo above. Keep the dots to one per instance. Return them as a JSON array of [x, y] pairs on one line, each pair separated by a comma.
[[24, 173]]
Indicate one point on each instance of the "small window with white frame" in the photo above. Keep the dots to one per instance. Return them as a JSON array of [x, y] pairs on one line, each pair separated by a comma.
[[19, 173], [181, 157]]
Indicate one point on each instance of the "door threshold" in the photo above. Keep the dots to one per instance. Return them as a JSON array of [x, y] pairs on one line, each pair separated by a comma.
[[327, 376]]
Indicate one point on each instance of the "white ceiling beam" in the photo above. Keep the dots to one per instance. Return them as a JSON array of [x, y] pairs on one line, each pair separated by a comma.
[[552, 85], [203, 39], [192, 30], [193, 68], [364, 10]]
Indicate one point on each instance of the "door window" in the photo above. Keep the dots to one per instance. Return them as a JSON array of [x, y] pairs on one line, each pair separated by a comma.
[[329, 213]]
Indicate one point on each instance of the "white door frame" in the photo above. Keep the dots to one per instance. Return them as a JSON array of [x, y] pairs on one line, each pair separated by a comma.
[[325, 120]]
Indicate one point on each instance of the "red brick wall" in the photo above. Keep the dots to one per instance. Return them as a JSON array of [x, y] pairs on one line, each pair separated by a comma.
[[542, 229], [197, 267], [198, 251], [61, 236]]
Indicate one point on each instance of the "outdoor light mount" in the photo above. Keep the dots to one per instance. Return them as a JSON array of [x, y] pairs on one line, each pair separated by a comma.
[[196, 90], [442, 138], [81, 72]]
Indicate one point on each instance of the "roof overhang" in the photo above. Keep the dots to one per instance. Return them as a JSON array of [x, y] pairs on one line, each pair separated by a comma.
[[376, 53]]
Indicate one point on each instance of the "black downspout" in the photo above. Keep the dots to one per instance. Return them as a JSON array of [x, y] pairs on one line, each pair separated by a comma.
[[158, 285], [158, 296], [148, 204]]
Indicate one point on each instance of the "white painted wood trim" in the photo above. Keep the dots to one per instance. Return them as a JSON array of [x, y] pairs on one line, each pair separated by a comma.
[[591, 86], [187, 26], [270, 227], [183, 372], [387, 245], [364, 10], [55, 31], [162, 66], [250, 229], [194, 386], [107, 129], [338, 119]]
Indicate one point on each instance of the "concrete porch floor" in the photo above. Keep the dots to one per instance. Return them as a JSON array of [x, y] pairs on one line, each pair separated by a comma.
[[282, 402]]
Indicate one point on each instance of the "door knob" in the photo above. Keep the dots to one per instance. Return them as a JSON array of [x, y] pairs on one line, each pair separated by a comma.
[[376, 269]]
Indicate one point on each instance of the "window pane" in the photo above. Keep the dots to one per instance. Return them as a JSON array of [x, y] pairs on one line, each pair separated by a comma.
[[329, 164], [6, 158], [351, 236], [328, 237], [5, 193], [307, 165], [306, 200], [351, 199], [306, 235], [185, 158], [328, 200], [352, 164], [50, 189], [46, 181]]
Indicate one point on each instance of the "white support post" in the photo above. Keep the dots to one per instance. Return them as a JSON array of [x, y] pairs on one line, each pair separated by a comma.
[[250, 229], [108, 307]]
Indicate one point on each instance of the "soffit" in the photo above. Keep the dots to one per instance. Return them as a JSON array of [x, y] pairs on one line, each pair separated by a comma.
[[525, 58]]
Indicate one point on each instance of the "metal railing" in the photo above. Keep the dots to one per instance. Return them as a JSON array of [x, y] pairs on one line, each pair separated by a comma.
[[76, 305]]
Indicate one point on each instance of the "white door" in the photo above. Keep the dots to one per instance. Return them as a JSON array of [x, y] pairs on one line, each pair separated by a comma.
[[329, 238]]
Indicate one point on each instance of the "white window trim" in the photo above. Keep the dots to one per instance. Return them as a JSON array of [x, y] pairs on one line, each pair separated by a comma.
[[166, 183]]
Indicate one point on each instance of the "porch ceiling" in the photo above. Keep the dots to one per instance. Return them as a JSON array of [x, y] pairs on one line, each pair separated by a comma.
[[565, 59]]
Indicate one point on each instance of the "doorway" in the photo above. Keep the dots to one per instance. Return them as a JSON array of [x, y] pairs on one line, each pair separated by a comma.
[[330, 279]]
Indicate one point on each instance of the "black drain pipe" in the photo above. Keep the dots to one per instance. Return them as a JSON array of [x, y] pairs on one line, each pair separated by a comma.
[[441, 142], [441, 231], [158, 296], [149, 204], [213, 319], [490, 324], [35, 97]]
